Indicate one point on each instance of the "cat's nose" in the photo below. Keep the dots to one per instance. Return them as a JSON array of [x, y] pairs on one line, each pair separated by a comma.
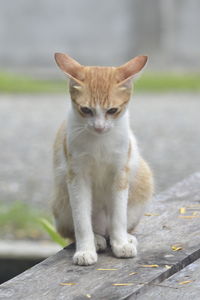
[[99, 129]]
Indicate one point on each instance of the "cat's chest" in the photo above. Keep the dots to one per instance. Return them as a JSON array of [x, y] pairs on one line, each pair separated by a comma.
[[100, 157], [102, 149], [102, 153], [103, 166]]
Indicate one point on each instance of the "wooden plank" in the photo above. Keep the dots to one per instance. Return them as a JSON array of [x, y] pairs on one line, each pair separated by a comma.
[[183, 285], [157, 233]]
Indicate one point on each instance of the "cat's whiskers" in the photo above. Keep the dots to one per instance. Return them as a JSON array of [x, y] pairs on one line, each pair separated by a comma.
[[76, 132]]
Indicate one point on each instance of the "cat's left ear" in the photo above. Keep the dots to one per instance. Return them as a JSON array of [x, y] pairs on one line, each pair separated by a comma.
[[126, 72]]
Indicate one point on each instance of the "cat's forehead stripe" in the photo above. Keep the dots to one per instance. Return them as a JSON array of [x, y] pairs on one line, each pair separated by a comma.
[[99, 81], [100, 88]]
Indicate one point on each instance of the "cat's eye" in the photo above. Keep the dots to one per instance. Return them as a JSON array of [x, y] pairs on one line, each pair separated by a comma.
[[86, 110], [112, 111]]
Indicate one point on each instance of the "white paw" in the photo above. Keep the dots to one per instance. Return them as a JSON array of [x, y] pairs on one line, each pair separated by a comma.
[[100, 242], [132, 239], [85, 258], [125, 250]]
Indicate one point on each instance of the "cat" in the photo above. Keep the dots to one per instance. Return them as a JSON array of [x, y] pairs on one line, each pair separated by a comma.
[[101, 182]]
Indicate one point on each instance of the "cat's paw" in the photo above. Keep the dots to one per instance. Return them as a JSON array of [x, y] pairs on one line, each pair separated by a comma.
[[132, 239], [124, 250], [100, 243], [85, 258]]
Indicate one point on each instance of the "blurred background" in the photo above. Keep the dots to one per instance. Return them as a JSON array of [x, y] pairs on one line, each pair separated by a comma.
[[165, 110], [99, 32]]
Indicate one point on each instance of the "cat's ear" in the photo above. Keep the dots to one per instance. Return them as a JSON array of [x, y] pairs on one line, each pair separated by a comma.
[[70, 67], [126, 72]]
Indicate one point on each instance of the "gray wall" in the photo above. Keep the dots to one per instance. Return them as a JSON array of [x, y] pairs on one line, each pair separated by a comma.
[[106, 32]]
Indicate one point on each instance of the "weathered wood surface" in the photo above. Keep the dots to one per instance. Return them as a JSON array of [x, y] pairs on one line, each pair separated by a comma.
[[183, 285], [156, 233]]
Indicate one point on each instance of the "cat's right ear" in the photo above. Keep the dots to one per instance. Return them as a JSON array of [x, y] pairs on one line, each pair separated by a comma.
[[70, 67]]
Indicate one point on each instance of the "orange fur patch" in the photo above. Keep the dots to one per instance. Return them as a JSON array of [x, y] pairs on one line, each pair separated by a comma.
[[100, 88], [123, 181], [141, 186]]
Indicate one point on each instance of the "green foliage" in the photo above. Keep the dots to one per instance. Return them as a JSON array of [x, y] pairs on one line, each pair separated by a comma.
[[164, 82], [18, 220], [52, 232], [12, 83]]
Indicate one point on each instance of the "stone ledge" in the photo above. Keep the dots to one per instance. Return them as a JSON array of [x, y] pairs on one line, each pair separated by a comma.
[[27, 249]]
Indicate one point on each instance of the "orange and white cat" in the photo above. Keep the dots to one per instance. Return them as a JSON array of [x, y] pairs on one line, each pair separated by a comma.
[[101, 182]]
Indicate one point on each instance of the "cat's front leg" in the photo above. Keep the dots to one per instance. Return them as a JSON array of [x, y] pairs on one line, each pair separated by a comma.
[[119, 239], [80, 200]]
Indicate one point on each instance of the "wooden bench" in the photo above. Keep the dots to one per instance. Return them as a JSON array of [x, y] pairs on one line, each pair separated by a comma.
[[169, 245]]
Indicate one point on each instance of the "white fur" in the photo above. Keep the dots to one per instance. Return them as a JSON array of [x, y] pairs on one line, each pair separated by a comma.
[[97, 205]]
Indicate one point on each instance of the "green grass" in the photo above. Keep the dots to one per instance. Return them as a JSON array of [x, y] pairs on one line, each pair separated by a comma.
[[12, 83], [149, 82], [163, 82], [20, 221], [53, 233]]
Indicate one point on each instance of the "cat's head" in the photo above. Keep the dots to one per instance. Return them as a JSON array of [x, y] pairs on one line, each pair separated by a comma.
[[100, 94]]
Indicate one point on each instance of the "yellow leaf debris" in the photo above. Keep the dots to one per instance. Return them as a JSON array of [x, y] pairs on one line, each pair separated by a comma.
[[185, 282], [193, 206], [122, 284], [188, 217], [168, 267], [182, 210], [106, 269], [176, 247], [151, 214], [150, 266], [68, 283], [133, 273], [88, 296], [195, 213]]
